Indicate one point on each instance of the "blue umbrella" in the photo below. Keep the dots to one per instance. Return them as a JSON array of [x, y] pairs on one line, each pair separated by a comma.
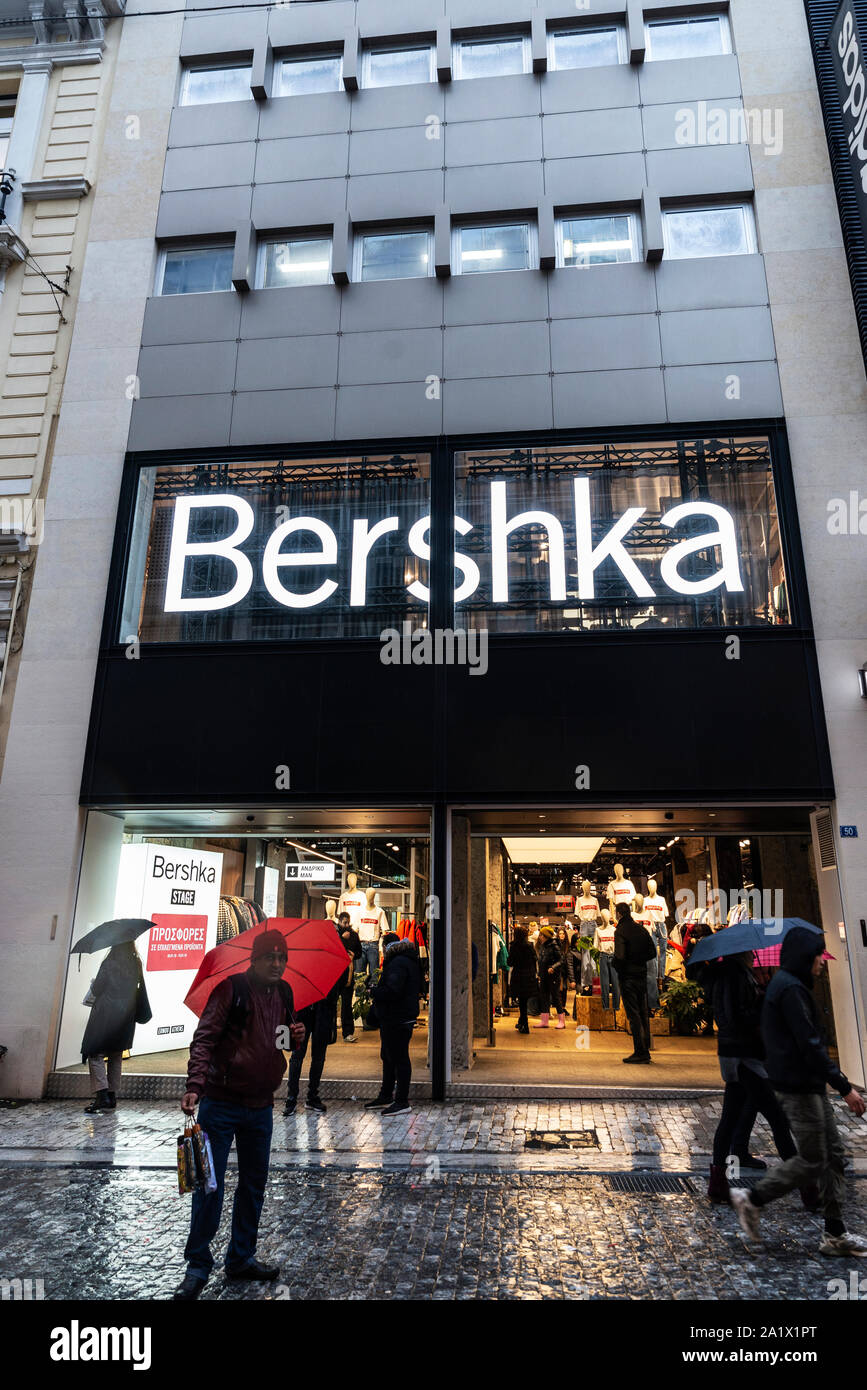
[[746, 936]]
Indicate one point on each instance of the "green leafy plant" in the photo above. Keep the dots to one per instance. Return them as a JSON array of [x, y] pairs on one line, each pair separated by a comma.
[[363, 1001], [686, 1007], [585, 943]]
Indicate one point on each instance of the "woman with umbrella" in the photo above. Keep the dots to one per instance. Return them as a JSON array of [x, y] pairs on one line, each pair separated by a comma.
[[120, 1001]]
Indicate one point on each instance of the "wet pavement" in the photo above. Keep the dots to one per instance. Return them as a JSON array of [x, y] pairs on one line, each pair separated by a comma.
[[446, 1203]]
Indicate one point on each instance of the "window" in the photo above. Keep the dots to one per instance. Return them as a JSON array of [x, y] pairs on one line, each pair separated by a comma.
[[195, 269], [290, 263], [599, 240], [494, 57], [396, 67], [701, 36], [709, 231], [393, 255], [201, 85], [503, 246], [301, 76], [585, 48], [7, 115]]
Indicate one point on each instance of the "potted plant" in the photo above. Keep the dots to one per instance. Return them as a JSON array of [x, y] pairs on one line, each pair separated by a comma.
[[685, 1006]]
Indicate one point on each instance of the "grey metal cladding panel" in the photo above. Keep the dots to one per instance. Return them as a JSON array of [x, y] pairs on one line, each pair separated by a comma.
[[602, 289], [266, 364], [595, 179], [309, 24], [312, 203], [204, 211], [493, 142], [289, 313], [392, 304], [615, 131], [191, 318], [304, 157], [584, 399], [508, 297], [228, 33], [208, 166], [320, 113], [466, 13], [282, 417], [216, 123], [393, 151], [387, 411], [488, 98], [180, 422], [590, 89], [690, 337], [498, 349], [382, 18], [690, 79], [386, 108], [408, 354], [380, 197], [187, 369], [696, 172], [712, 282], [605, 344], [497, 403], [669, 127], [703, 393], [493, 187]]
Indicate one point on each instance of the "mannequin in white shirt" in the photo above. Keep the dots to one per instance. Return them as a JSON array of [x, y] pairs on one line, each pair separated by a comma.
[[620, 890], [587, 908], [656, 912], [603, 940]]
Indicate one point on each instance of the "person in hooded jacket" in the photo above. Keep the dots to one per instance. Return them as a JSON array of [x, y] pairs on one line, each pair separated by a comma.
[[120, 1002], [800, 1072], [633, 948], [396, 997], [552, 990]]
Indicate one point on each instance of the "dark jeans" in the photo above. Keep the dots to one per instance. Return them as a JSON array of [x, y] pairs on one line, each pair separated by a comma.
[[634, 991], [251, 1130], [318, 1049], [743, 1100], [396, 1066], [347, 1022]]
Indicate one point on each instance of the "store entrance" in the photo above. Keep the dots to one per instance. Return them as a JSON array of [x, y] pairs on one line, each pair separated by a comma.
[[551, 881]]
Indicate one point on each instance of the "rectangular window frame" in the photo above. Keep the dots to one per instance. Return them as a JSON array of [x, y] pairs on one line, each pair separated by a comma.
[[285, 238], [479, 222], [358, 252], [660, 21], [163, 254], [563, 29], [288, 58], [190, 68], [526, 53], [634, 236], [373, 48], [743, 206]]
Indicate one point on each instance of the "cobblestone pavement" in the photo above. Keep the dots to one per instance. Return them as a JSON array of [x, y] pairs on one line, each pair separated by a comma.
[[433, 1225]]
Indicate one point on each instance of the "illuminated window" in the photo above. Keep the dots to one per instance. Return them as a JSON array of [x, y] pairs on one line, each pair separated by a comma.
[[299, 261], [500, 246], [602, 239]]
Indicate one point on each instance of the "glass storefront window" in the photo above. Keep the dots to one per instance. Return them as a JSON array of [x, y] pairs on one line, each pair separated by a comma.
[[300, 548], [609, 536]]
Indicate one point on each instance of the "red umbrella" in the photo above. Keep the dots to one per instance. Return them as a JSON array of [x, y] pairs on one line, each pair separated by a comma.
[[317, 959]]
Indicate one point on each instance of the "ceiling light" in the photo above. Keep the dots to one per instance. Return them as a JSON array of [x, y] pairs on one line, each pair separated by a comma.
[[495, 254]]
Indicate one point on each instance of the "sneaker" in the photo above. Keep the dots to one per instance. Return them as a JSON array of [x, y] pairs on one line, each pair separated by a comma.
[[351, 1038], [316, 1103], [378, 1104], [397, 1108], [291, 1103], [846, 1244], [747, 1214]]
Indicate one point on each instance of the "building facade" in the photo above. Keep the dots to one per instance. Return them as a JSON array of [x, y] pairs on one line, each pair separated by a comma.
[[529, 324]]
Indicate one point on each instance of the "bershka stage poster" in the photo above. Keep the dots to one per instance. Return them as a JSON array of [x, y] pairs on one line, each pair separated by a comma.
[[179, 890]]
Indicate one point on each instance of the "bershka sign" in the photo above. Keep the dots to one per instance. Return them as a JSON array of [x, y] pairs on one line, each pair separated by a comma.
[[846, 47], [279, 558]]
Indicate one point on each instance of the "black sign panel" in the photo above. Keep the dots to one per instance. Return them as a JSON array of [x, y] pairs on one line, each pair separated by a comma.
[[846, 46]]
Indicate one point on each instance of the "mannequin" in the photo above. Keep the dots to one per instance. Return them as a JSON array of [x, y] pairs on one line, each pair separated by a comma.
[[352, 900], [331, 910], [641, 916], [655, 912], [603, 940], [620, 890], [370, 925], [587, 907]]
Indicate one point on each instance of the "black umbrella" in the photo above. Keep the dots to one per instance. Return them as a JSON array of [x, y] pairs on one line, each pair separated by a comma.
[[111, 934]]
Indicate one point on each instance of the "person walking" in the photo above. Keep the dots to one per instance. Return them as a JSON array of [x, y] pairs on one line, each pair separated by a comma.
[[236, 1064], [736, 1002], [120, 1001], [352, 942], [800, 1072], [395, 998], [552, 995], [523, 978], [633, 948]]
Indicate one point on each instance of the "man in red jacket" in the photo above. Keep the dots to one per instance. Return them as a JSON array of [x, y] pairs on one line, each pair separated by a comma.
[[236, 1064]]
